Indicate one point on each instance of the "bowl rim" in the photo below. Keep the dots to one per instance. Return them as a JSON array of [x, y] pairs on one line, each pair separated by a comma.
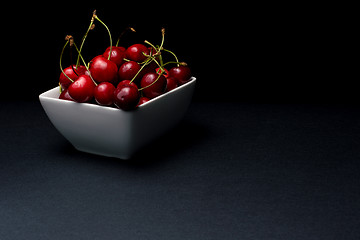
[[43, 96]]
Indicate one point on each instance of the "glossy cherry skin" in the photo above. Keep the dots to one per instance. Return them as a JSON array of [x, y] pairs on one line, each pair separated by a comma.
[[117, 55], [171, 84], [182, 74], [126, 97], [103, 70], [82, 90], [135, 52], [128, 70], [64, 95], [103, 93], [143, 100], [157, 88], [64, 81]]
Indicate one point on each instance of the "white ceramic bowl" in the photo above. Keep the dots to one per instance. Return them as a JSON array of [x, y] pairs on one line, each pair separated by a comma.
[[113, 132]]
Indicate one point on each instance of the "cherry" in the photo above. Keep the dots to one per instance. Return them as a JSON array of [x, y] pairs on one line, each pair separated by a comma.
[[171, 84], [117, 55], [65, 95], [64, 81], [103, 70], [166, 73], [153, 85], [135, 52], [182, 74], [82, 90], [144, 67], [103, 93], [128, 70], [126, 97], [143, 100]]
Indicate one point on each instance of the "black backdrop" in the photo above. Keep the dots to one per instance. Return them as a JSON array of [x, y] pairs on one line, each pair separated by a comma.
[[251, 52]]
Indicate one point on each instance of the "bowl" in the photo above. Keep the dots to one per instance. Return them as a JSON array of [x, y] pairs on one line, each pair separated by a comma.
[[112, 132]]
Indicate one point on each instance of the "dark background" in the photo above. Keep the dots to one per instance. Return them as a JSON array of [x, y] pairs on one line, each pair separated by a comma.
[[248, 52]]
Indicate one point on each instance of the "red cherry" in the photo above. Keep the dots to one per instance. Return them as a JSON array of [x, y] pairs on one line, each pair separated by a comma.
[[182, 74], [117, 55], [126, 82], [155, 89], [135, 52], [166, 73], [171, 84], [103, 70], [103, 93], [128, 70], [82, 90], [64, 81], [64, 95], [126, 97], [143, 100]]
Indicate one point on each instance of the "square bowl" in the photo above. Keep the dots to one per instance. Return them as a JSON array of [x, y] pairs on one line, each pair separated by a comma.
[[113, 132]]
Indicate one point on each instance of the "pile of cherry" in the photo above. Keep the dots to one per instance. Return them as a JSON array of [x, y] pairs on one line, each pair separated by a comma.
[[125, 78]]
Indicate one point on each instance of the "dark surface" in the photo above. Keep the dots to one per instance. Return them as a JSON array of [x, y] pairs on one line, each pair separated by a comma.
[[228, 171]]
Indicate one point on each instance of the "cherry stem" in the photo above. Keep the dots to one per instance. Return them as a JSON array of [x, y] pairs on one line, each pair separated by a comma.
[[147, 42], [142, 67], [177, 60], [122, 33], [178, 63], [161, 67], [154, 59], [91, 27], [71, 59], [157, 49], [140, 89], [87, 68], [162, 38], [97, 18], [162, 71], [61, 54]]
